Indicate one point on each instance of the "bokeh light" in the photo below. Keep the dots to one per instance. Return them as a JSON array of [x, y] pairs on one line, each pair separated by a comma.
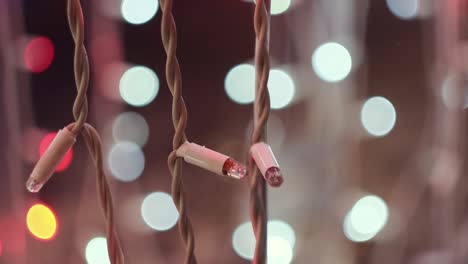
[[279, 250], [130, 126], [276, 132], [159, 211], [96, 251], [404, 9], [331, 62], [243, 241], [450, 93], [281, 88], [38, 54], [281, 236], [365, 219], [1, 248], [126, 161], [378, 116], [67, 159], [139, 86], [240, 84], [279, 6], [41, 222], [139, 11], [277, 228]]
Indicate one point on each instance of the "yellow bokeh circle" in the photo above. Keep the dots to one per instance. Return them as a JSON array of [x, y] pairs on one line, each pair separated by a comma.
[[41, 222]]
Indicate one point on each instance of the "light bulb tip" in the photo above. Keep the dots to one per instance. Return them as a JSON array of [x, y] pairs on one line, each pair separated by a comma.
[[274, 177], [234, 169], [33, 185]]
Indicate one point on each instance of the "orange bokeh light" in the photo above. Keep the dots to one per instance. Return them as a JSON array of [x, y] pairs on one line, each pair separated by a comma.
[[42, 222]]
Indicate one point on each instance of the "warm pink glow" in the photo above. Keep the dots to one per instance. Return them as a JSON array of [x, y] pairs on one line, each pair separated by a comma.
[[38, 54], [67, 159]]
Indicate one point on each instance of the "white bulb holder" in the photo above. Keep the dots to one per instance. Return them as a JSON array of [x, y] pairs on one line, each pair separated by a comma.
[[51, 158], [211, 160], [266, 162]]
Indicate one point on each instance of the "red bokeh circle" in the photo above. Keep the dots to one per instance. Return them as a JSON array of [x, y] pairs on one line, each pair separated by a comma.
[[38, 54]]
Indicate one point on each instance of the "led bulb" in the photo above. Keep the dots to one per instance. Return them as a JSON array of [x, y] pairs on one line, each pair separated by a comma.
[[46, 165], [274, 177], [211, 160], [234, 169], [33, 185], [267, 164]]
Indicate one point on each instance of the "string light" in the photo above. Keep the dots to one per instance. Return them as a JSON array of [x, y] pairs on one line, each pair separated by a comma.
[[51, 158], [266, 163], [67, 158], [41, 222], [211, 160]]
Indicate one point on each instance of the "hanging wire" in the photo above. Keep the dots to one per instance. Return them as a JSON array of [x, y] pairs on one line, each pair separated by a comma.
[[179, 119], [90, 135], [258, 192]]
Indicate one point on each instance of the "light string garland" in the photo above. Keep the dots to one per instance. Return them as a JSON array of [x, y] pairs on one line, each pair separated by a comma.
[[182, 149], [66, 137], [258, 191], [179, 119]]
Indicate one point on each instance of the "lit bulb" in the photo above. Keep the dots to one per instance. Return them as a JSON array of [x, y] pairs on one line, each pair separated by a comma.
[[211, 160], [47, 164], [267, 164]]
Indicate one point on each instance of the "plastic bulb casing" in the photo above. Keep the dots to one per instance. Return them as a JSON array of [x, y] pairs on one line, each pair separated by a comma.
[[267, 164], [211, 160], [49, 161]]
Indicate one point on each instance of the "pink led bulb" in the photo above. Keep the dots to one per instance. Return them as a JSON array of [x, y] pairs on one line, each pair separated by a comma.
[[274, 177], [211, 160], [267, 164], [234, 169], [49, 161]]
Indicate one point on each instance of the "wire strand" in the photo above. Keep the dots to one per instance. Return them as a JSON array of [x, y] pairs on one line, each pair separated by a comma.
[[258, 191], [89, 133], [179, 119]]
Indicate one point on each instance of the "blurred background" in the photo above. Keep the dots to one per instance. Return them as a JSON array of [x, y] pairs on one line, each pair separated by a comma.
[[367, 123]]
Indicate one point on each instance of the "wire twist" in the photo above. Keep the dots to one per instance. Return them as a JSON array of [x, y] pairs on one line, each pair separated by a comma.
[[89, 133], [179, 119], [258, 193]]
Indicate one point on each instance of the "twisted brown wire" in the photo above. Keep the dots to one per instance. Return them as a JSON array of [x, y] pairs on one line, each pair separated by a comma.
[[258, 194], [90, 135], [179, 119]]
